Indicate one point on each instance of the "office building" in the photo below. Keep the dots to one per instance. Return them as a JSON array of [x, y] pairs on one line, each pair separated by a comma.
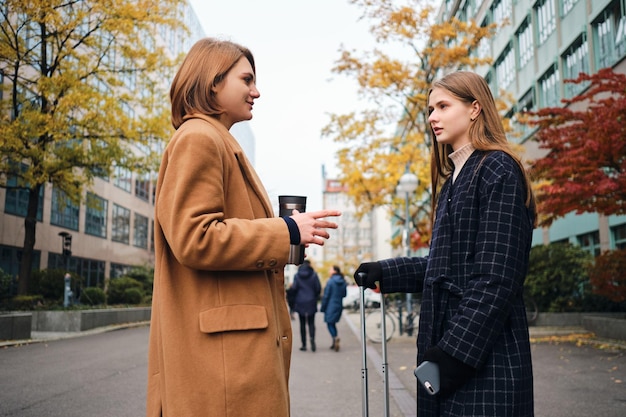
[[356, 239], [111, 231], [545, 43]]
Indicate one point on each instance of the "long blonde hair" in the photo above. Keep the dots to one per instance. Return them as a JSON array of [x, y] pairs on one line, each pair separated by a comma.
[[486, 132]]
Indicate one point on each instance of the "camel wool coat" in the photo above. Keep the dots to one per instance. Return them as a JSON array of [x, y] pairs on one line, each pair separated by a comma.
[[220, 333]]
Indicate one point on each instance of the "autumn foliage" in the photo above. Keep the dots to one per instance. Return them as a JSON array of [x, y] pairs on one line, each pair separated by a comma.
[[607, 275], [390, 135], [584, 168], [82, 93]]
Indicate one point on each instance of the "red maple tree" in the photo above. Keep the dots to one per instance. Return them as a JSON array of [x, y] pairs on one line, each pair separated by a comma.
[[584, 169], [607, 275]]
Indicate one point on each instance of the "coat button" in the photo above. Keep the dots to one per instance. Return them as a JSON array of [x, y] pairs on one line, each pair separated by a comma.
[[273, 263], [260, 264]]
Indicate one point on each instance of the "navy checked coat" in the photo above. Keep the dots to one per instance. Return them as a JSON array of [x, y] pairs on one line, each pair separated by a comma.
[[471, 284]]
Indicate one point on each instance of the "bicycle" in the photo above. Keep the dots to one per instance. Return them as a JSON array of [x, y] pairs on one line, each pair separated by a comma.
[[393, 311]]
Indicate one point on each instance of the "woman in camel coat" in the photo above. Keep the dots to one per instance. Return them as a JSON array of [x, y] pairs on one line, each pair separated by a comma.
[[220, 337]]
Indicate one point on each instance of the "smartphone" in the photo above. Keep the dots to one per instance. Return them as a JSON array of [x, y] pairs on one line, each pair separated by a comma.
[[428, 375]]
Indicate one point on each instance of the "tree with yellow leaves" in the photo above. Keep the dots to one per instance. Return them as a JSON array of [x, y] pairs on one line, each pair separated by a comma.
[[383, 142], [82, 94]]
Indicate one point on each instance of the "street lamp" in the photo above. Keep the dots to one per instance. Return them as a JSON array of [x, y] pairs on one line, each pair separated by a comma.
[[407, 186]]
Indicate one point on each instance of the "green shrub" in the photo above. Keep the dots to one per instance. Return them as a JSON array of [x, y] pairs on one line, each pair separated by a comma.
[[50, 283], [143, 274], [5, 284], [133, 296], [92, 296], [26, 302], [558, 278], [118, 287]]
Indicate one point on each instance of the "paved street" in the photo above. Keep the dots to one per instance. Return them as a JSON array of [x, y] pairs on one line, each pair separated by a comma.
[[97, 375], [103, 374]]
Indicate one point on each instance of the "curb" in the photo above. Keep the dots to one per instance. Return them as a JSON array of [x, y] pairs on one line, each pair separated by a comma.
[[42, 337]]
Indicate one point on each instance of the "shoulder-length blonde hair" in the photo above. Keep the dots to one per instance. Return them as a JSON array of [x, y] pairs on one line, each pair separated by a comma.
[[486, 131], [204, 67]]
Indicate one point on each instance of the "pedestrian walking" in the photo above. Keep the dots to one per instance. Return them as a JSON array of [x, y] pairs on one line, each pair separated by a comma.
[[307, 289], [472, 319], [220, 334], [332, 303]]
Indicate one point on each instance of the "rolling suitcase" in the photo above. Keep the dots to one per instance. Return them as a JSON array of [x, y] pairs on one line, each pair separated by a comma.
[[364, 377]]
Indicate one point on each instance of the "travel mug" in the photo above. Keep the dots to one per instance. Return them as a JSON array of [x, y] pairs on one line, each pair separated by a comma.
[[286, 205]]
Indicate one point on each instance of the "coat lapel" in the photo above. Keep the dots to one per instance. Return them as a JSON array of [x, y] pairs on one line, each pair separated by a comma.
[[244, 164], [252, 177]]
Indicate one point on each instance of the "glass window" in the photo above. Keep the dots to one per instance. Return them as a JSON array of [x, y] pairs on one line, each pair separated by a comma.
[[16, 199], [604, 35], [484, 47], [64, 212], [566, 6], [468, 11], [619, 236], [501, 10], [140, 235], [120, 231], [122, 178], [608, 32], [505, 68], [526, 103], [68, 263], [449, 4], [96, 215], [525, 42], [10, 258], [546, 20], [142, 187], [549, 88], [92, 272], [590, 242], [620, 36], [575, 61], [119, 270]]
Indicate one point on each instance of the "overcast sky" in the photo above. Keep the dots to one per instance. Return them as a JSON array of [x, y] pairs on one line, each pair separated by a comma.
[[295, 44]]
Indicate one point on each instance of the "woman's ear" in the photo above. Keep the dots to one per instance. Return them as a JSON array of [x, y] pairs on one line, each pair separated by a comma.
[[476, 108]]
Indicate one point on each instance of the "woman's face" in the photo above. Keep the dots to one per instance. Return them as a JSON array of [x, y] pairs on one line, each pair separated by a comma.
[[450, 118], [236, 93]]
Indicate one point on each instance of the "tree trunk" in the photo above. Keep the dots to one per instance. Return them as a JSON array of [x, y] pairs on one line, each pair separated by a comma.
[[30, 226]]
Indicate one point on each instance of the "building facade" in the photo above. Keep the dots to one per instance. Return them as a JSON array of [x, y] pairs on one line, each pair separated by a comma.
[[356, 239], [545, 43], [111, 231]]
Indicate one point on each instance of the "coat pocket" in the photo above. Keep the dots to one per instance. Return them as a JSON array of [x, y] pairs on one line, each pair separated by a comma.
[[234, 317]]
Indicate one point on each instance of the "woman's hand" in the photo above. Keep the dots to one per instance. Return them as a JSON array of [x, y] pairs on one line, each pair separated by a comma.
[[312, 226]]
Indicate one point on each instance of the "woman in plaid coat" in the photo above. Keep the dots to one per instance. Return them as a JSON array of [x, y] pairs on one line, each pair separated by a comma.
[[472, 319]]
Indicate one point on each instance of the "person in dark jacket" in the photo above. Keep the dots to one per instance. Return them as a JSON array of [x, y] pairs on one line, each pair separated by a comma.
[[307, 289], [332, 303], [472, 319]]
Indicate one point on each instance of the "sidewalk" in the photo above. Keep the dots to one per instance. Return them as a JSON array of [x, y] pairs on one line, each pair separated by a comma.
[[329, 383]]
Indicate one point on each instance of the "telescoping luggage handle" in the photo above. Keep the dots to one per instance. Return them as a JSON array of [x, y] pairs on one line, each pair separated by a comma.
[[383, 329]]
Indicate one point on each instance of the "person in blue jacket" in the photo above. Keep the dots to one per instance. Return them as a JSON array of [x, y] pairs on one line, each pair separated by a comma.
[[472, 319], [332, 303], [307, 289]]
